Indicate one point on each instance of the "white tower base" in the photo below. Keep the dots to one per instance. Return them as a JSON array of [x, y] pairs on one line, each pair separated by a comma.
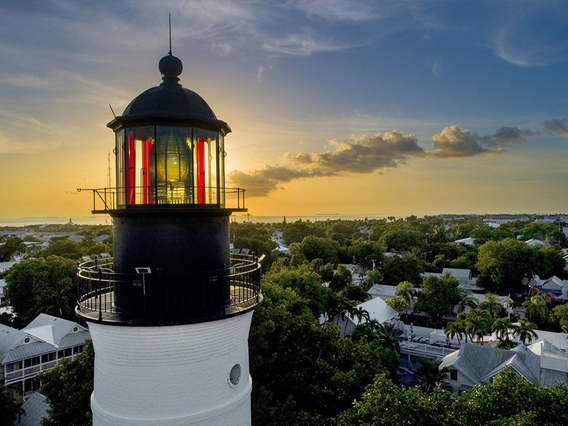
[[195, 374]]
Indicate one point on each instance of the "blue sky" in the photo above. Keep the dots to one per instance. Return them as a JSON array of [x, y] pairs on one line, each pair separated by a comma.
[[352, 107]]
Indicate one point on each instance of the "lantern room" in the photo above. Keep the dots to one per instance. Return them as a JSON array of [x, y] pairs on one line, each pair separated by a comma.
[[169, 147]]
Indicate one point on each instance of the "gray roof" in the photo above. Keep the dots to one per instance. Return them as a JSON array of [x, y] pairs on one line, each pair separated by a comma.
[[45, 333], [36, 407], [480, 363]]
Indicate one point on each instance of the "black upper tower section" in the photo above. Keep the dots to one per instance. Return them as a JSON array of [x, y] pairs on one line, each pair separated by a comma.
[[172, 263]]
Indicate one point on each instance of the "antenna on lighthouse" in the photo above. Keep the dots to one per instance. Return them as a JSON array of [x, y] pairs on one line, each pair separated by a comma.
[[170, 22]]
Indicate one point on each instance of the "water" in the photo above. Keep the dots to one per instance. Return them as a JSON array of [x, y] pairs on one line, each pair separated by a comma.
[[102, 220]]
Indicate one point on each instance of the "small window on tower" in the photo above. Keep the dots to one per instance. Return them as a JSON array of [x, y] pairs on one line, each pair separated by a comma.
[[235, 375]]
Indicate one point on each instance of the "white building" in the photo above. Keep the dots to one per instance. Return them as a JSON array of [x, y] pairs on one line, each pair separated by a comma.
[[38, 347]]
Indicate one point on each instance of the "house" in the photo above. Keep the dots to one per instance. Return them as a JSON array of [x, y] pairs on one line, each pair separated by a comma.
[[542, 364], [467, 241], [378, 310], [38, 347], [555, 286], [463, 276], [535, 243]]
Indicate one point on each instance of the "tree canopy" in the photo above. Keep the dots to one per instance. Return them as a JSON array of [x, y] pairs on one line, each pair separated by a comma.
[[42, 285]]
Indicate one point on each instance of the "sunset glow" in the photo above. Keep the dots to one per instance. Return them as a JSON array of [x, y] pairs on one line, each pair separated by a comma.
[[343, 107]]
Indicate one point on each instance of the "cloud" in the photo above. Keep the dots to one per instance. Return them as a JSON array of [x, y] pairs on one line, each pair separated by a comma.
[[362, 154], [519, 41], [376, 153], [455, 142], [259, 183], [557, 126]]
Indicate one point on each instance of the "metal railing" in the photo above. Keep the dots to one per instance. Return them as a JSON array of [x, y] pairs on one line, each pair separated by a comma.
[[106, 199], [105, 295]]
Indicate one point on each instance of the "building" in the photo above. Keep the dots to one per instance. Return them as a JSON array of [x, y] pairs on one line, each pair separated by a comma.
[[170, 314], [541, 363], [38, 347]]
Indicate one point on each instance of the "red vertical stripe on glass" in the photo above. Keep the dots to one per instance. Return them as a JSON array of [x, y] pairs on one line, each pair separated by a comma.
[[131, 174], [200, 172]]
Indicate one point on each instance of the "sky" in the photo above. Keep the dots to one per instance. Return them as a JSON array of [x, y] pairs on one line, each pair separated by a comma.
[[336, 106]]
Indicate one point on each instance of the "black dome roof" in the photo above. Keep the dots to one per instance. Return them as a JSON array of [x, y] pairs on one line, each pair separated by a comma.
[[169, 102]]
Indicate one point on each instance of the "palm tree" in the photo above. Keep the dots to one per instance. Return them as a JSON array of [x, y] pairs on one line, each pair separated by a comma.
[[478, 323], [406, 290], [492, 304], [429, 374], [454, 329], [467, 299], [536, 310], [504, 328], [526, 331]]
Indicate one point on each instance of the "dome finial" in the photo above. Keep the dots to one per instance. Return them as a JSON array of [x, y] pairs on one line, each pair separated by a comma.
[[170, 67]]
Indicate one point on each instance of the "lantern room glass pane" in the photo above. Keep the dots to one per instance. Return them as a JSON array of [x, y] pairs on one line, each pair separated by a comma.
[[139, 165], [120, 167], [205, 171], [174, 165]]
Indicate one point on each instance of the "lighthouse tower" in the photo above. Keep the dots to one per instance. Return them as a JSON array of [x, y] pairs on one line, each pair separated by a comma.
[[170, 314]]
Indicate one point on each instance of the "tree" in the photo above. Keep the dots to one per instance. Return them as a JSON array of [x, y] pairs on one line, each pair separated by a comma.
[[63, 247], [384, 403], [504, 329], [478, 323], [303, 369], [40, 285], [68, 388], [12, 246], [438, 296], [341, 279], [560, 314], [398, 304], [525, 331], [506, 266], [398, 268], [455, 329], [536, 310], [10, 410], [366, 253], [511, 400], [493, 305], [466, 300], [314, 247], [429, 375]]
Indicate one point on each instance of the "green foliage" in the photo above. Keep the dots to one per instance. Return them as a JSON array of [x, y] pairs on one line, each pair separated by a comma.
[[10, 410], [35, 286], [68, 388], [401, 240], [314, 247], [11, 246], [536, 310], [341, 279], [304, 372], [398, 304], [383, 403], [560, 313], [504, 265], [297, 231], [510, 398], [509, 401], [63, 247], [365, 253], [429, 375], [438, 296], [396, 269]]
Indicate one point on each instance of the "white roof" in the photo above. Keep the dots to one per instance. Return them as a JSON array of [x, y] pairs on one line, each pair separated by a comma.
[[378, 310]]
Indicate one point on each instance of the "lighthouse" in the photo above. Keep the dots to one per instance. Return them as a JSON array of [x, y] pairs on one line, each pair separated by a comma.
[[170, 312]]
